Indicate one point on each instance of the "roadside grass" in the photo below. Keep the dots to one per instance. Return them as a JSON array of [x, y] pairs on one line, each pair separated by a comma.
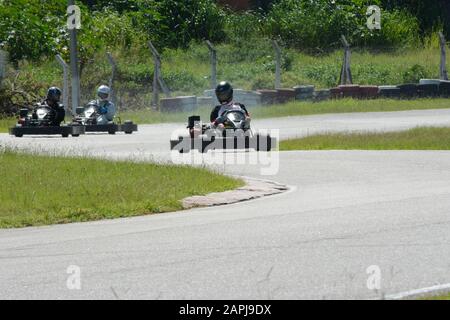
[[187, 71], [38, 190], [438, 298], [6, 123], [421, 138], [295, 108]]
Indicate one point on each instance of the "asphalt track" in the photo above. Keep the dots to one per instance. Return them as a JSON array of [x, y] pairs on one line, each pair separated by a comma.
[[346, 211]]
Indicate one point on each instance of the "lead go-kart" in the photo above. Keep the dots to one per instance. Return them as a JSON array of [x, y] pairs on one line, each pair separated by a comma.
[[235, 134], [88, 116], [40, 121]]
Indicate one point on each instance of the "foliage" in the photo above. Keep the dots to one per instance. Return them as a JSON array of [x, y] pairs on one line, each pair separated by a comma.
[[318, 25]]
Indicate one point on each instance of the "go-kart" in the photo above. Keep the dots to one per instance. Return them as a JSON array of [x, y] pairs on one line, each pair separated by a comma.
[[41, 121], [232, 132], [89, 117]]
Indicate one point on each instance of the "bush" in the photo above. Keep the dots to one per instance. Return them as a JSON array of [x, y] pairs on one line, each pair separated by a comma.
[[318, 25], [175, 24], [414, 74], [31, 28]]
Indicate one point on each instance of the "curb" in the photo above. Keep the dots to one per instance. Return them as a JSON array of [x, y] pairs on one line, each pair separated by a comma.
[[254, 189]]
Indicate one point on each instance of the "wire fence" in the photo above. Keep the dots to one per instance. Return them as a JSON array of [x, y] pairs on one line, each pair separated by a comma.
[[169, 80]]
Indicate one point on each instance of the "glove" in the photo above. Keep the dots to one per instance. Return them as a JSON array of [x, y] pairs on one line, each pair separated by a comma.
[[103, 110]]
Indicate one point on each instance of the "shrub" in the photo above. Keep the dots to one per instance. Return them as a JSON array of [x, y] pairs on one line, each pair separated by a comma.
[[318, 25], [414, 74]]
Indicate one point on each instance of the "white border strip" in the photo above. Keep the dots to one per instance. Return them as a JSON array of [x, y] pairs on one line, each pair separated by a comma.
[[419, 292]]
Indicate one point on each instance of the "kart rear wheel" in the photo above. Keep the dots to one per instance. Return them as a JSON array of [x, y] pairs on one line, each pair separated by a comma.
[[18, 135], [75, 135], [65, 135], [112, 132], [128, 132]]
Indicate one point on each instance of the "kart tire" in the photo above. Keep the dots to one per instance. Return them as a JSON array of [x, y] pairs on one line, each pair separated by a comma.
[[18, 135], [75, 135], [65, 135], [112, 132], [128, 132]]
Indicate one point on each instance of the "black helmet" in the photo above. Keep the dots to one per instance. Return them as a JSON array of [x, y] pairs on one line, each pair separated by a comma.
[[224, 92], [54, 94]]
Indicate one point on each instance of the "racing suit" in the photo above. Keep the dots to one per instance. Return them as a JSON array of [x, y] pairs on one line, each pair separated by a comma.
[[220, 110], [58, 113], [106, 111]]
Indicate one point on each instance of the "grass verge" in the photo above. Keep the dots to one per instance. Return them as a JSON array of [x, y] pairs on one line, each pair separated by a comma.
[[40, 190], [442, 297], [296, 108], [423, 138]]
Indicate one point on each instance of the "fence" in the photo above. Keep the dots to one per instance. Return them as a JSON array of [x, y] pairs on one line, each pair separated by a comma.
[[264, 72]]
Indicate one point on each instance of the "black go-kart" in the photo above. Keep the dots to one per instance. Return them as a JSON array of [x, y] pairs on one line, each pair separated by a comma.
[[41, 121], [88, 117], [235, 134]]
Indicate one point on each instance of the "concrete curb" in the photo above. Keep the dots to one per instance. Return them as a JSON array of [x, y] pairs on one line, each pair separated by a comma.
[[254, 189]]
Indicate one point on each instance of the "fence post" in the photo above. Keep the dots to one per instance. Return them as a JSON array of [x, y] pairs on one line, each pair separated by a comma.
[[346, 73], [113, 64], [3, 58], [74, 61], [65, 68], [157, 79], [443, 69], [277, 49], [213, 54]]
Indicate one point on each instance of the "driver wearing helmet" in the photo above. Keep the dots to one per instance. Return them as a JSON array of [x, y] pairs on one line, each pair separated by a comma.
[[105, 108], [52, 101], [224, 93]]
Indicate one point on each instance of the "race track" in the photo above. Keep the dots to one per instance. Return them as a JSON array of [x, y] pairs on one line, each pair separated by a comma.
[[346, 211]]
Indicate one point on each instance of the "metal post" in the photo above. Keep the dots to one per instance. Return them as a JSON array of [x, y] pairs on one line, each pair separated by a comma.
[[213, 54], [74, 63], [65, 68], [113, 64], [277, 64], [346, 73], [3, 58], [157, 79], [443, 69]]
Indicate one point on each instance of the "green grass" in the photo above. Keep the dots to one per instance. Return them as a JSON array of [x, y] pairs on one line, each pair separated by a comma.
[[7, 123], [424, 138], [40, 190], [348, 105], [442, 297], [187, 72], [298, 108]]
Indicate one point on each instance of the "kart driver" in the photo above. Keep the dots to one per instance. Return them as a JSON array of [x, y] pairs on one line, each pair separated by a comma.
[[52, 101], [105, 108], [224, 93]]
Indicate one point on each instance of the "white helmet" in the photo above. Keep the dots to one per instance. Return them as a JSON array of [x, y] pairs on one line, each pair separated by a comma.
[[103, 92]]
